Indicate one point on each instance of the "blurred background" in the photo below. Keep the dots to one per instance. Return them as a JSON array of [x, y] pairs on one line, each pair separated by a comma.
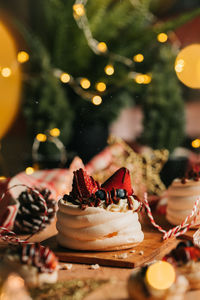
[[74, 72]]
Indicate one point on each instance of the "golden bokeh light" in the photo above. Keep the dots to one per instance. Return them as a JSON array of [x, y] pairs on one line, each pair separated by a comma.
[[6, 72], [160, 275], [179, 65], [143, 78], [10, 80], [147, 78], [79, 9], [109, 70], [22, 57], [96, 100], [162, 37], [187, 66], [102, 47], [55, 132], [85, 83], [139, 78], [101, 86], [196, 143], [65, 77], [41, 137], [138, 57], [29, 170], [3, 178]]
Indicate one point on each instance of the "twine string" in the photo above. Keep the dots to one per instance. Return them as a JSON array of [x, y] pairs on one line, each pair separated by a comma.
[[178, 230]]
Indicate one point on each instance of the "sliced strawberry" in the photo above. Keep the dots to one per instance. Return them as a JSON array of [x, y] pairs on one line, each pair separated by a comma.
[[119, 180], [83, 185]]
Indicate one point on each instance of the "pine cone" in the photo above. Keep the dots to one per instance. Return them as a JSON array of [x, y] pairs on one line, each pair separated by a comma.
[[31, 214]]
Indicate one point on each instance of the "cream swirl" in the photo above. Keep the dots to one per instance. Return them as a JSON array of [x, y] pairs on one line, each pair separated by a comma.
[[181, 198], [97, 228]]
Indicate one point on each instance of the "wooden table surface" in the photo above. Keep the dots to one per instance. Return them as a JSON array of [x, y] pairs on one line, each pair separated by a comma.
[[115, 289]]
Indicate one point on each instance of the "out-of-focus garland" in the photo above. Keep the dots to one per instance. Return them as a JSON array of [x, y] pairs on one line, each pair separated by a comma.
[[81, 85], [101, 48], [75, 289]]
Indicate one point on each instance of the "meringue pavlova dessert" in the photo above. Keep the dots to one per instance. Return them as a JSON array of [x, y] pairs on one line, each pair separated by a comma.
[[99, 218], [181, 197]]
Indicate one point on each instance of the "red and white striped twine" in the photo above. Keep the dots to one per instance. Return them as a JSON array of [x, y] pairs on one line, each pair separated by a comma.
[[10, 236], [189, 221]]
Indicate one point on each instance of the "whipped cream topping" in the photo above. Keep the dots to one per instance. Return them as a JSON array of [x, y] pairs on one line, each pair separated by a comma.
[[181, 198], [98, 228], [121, 206]]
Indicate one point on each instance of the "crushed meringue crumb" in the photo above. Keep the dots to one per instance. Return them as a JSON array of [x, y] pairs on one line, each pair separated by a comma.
[[123, 255], [66, 267], [132, 251], [141, 252], [94, 267]]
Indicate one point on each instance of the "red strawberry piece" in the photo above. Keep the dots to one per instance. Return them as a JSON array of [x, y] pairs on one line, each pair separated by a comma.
[[83, 185], [119, 180]]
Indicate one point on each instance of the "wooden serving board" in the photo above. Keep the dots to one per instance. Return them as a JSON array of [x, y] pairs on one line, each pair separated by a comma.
[[151, 248], [189, 235], [161, 220]]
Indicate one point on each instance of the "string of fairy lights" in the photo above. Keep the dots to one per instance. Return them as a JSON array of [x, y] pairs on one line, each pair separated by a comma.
[[82, 85]]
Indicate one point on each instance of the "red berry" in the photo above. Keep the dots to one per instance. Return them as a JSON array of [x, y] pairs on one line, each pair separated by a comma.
[[119, 180], [83, 184]]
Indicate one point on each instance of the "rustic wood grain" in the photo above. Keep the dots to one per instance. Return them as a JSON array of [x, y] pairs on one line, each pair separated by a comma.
[[189, 235], [151, 248], [116, 289]]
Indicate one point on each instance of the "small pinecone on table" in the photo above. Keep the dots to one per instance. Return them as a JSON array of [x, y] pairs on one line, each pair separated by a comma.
[[31, 216]]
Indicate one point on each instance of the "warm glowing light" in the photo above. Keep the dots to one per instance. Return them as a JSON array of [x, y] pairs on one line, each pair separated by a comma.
[[139, 78], [10, 87], [41, 137], [196, 143], [2, 178], [162, 37], [22, 57], [147, 78], [138, 58], [160, 275], [85, 83], [29, 170], [16, 281], [102, 47], [101, 86], [65, 77], [143, 78], [109, 70], [96, 100], [187, 66], [79, 9], [14, 288], [6, 72], [54, 132], [179, 65]]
